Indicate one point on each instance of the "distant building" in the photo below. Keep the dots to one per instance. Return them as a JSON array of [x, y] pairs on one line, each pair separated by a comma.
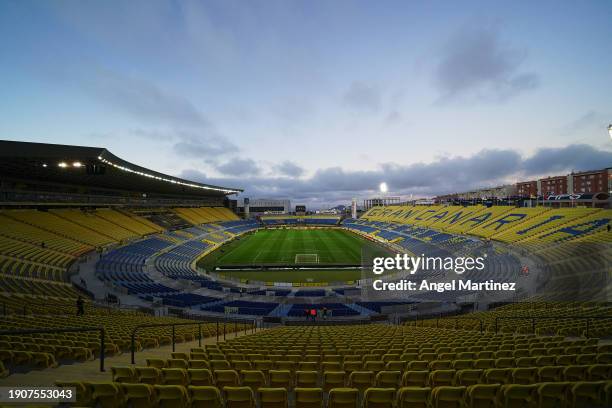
[[499, 192], [592, 182], [262, 206], [527, 189], [380, 202], [556, 185]]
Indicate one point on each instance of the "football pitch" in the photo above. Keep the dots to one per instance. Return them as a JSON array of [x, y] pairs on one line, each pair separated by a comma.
[[311, 248]]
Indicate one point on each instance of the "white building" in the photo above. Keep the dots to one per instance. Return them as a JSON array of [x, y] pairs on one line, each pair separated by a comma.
[[262, 206]]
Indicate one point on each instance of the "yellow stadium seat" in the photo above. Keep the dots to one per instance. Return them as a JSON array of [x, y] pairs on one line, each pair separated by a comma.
[[361, 380], [468, 377], [281, 379], [388, 379], [198, 364], [306, 379], [107, 395], [524, 375], [308, 398], [205, 397], [253, 379], [606, 394], [518, 396], [461, 364], [169, 396], [597, 372], [395, 366], [379, 398], [239, 397], [585, 394], [220, 365], [333, 379], [200, 376], [139, 395], [124, 374], [156, 362], [441, 377], [415, 378], [177, 363], [418, 365], [447, 397], [498, 375], [226, 378], [550, 373], [413, 397], [552, 394], [482, 395], [273, 398], [174, 376], [83, 391], [343, 398]]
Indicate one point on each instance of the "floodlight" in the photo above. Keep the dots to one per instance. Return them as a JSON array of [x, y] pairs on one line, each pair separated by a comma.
[[62, 165], [383, 187]]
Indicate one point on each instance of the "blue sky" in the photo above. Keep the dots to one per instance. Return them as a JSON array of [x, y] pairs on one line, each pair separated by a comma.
[[317, 101]]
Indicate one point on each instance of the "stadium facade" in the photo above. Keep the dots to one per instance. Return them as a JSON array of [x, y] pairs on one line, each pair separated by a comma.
[[151, 260]]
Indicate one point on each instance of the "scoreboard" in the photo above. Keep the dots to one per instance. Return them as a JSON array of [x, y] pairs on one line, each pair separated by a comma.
[[300, 209]]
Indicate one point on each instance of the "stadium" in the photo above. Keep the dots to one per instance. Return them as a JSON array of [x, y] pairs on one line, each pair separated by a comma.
[[305, 204], [186, 304]]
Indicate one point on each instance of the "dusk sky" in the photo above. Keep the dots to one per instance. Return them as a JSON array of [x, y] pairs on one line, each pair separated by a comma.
[[316, 101]]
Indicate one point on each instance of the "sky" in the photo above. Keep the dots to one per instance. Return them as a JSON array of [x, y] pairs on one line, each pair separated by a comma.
[[316, 101]]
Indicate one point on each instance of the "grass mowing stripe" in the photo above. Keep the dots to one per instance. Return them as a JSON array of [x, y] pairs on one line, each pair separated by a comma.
[[279, 246]]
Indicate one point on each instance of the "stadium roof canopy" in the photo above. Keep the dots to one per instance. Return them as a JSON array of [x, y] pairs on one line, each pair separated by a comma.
[[92, 167]]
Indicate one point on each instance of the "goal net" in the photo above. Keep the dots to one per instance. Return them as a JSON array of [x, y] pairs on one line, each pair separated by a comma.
[[306, 258]]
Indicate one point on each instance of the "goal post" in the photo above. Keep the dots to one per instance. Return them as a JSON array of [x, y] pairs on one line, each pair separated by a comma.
[[306, 259]]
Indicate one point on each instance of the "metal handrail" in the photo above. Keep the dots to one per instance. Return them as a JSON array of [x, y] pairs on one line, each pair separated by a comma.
[[64, 330], [173, 326]]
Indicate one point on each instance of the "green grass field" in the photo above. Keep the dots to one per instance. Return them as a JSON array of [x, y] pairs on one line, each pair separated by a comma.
[[279, 247]]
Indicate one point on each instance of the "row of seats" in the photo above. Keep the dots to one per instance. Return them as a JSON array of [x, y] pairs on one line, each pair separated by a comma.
[[260, 374], [535, 226], [551, 318], [204, 215], [570, 394], [21, 353]]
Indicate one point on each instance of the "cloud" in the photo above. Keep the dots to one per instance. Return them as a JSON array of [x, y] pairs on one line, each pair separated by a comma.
[[476, 64], [362, 97], [565, 159], [591, 122], [330, 186], [142, 99], [203, 143], [289, 169], [174, 117], [239, 167]]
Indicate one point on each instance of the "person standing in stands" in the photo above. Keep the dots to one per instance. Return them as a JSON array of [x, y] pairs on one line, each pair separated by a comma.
[[324, 313], [80, 306], [313, 314], [306, 313]]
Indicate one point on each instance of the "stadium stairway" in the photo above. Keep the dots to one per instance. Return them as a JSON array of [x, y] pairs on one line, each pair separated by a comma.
[[209, 304], [362, 310], [87, 273], [282, 310]]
